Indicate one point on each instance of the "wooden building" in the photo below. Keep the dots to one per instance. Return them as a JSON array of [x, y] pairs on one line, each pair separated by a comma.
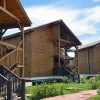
[[12, 15], [43, 48], [89, 58]]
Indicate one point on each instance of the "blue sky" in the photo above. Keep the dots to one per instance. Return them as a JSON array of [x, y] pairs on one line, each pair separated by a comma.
[[81, 16]]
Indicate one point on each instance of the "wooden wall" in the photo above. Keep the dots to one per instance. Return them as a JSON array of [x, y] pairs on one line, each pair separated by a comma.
[[15, 40], [43, 51], [93, 61], [86, 60], [39, 50], [97, 59]]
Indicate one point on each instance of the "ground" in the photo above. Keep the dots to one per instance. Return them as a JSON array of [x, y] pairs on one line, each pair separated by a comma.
[[84, 95]]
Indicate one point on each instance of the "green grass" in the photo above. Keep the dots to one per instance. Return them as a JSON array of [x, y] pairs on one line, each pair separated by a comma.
[[97, 97], [49, 90], [67, 88]]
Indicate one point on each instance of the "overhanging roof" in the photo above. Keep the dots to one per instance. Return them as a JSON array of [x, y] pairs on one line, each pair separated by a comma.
[[74, 41], [12, 14], [88, 45]]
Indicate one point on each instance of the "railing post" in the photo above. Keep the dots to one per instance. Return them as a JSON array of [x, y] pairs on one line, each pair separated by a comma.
[[0, 88], [23, 89], [9, 90]]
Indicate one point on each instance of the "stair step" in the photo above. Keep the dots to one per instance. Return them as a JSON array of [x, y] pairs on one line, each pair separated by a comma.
[[18, 98], [20, 66], [1, 98], [15, 97]]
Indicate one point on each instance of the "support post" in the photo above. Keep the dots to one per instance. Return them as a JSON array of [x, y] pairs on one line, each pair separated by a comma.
[[4, 4], [9, 90], [89, 71], [23, 89], [23, 51], [59, 47], [77, 67]]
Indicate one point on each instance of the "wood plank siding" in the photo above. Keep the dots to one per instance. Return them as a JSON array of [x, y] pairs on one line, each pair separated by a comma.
[[39, 50], [89, 60], [41, 45]]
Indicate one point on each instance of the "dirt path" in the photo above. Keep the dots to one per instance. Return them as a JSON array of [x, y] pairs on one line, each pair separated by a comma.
[[84, 95]]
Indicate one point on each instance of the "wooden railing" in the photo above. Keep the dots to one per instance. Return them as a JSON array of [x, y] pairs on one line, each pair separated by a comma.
[[18, 84], [12, 58], [5, 88], [2, 53]]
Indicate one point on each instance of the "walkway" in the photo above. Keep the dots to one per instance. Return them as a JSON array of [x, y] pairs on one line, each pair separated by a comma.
[[84, 95]]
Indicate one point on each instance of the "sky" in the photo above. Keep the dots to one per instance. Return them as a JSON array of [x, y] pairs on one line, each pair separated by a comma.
[[81, 16]]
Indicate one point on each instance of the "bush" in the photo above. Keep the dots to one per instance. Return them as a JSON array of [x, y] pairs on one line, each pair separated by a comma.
[[83, 80], [46, 90], [65, 79], [94, 86], [98, 78]]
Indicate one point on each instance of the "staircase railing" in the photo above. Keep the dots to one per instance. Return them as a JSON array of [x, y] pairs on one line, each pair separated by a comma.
[[2, 53], [5, 88], [12, 58], [18, 84]]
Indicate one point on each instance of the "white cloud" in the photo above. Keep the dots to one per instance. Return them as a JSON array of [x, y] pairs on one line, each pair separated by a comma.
[[89, 40], [79, 21], [96, 0]]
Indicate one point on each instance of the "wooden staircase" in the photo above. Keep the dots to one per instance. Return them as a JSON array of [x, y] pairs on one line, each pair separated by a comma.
[[11, 56], [65, 69], [12, 86]]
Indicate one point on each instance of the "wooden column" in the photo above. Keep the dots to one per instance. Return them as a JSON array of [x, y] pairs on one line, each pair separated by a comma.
[[22, 39], [59, 46], [5, 4], [89, 69], [77, 67], [23, 51]]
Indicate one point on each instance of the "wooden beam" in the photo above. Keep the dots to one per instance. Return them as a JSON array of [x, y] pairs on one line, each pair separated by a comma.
[[10, 14], [67, 41], [4, 4], [10, 45]]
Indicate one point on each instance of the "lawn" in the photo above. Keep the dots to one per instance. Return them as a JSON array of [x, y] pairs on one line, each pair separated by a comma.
[[47, 90], [97, 97]]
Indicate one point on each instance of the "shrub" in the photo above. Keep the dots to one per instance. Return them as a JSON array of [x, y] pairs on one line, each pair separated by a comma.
[[65, 79], [46, 90], [98, 78], [94, 86], [83, 80]]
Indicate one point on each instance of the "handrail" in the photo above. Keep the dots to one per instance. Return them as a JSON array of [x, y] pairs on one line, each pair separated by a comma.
[[6, 69], [12, 67], [14, 57], [3, 77], [5, 88], [7, 55], [10, 45], [18, 83], [2, 51]]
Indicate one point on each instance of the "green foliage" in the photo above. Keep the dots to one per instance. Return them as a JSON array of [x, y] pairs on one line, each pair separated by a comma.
[[46, 90], [65, 79], [84, 80], [97, 97], [98, 78], [94, 86]]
